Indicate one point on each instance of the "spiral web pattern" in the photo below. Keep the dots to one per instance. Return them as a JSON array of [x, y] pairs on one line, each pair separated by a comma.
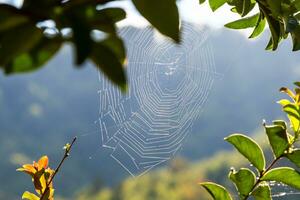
[[168, 86]]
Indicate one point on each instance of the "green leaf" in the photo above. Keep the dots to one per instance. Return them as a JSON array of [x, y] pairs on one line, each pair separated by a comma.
[[269, 45], [29, 196], [106, 18], [81, 37], [244, 180], [275, 7], [278, 139], [34, 58], [262, 192], [292, 111], [248, 148], [280, 123], [218, 192], [10, 17], [259, 28], [163, 15], [296, 38], [247, 22], [284, 102], [12, 43], [238, 5], [201, 1], [116, 44], [294, 157], [108, 62], [248, 5], [286, 175], [297, 84], [114, 14], [274, 27], [215, 4]]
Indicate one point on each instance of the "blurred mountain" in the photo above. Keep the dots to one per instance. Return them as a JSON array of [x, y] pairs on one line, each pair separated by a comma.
[[43, 110]]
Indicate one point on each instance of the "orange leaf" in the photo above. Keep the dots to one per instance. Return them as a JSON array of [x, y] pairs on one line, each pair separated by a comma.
[[29, 169], [43, 162]]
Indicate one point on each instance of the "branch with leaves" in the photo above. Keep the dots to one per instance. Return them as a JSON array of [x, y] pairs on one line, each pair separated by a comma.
[[282, 17], [256, 183], [42, 176], [27, 41]]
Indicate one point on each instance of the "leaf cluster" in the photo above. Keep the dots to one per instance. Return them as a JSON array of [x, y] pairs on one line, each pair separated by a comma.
[[32, 34], [282, 141], [41, 177], [282, 17]]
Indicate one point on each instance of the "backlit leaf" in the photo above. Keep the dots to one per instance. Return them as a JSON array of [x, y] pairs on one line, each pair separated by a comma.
[[215, 4], [218, 192], [249, 149], [294, 157], [243, 23], [244, 180], [278, 139], [286, 175], [259, 28], [262, 192], [30, 196]]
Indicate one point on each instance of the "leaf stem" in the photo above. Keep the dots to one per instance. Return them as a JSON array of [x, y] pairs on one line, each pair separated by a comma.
[[67, 153], [258, 181]]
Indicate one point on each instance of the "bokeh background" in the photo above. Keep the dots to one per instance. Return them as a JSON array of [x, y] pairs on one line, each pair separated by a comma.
[[42, 111]]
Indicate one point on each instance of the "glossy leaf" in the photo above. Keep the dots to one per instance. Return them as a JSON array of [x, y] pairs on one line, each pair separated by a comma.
[[274, 27], [286, 175], [294, 157], [278, 139], [262, 192], [30, 196], [247, 22], [248, 5], [238, 5], [249, 149], [259, 28], [292, 111], [215, 4], [218, 192], [284, 102], [244, 180], [163, 15]]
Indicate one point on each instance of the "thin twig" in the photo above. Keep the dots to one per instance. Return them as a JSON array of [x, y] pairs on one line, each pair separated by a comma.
[[258, 181], [67, 153]]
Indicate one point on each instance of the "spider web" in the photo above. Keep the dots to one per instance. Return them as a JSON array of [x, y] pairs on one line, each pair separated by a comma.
[[168, 87]]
